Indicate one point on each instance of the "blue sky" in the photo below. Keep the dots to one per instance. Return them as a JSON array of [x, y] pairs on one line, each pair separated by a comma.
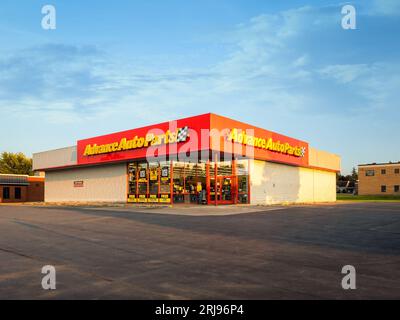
[[287, 66]]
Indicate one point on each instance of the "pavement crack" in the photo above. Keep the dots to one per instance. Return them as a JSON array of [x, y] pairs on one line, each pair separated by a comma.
[[13, 251]]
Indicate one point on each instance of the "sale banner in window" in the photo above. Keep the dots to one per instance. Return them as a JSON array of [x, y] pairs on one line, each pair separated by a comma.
[[152, 198], [143, 175], [132, 199], [153, 174], [165, 198], [165, 174], [142, 198]]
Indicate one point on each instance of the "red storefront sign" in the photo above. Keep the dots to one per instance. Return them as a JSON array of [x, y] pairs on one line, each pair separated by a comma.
[[204, 132], [137, 148], [265, 145]]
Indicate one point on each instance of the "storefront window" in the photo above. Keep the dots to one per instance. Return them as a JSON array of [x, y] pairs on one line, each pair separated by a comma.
[[142, 182], [190, 182], [225, 168], [132, 170], [165, 182], [242, 171], [195, 181], [153, 181], [165, 178], [179, 182], [222, 188]]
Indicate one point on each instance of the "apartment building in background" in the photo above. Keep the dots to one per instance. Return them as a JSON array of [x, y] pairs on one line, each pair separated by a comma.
[[379, 179]]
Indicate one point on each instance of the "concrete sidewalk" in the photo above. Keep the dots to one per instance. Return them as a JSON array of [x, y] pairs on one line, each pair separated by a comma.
[[176, 209], [194, 210]]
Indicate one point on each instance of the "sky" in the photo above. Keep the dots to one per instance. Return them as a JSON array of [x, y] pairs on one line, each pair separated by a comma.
[[286, 66]]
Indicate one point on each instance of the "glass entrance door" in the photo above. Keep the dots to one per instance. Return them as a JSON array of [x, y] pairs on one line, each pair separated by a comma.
[[226, 189]]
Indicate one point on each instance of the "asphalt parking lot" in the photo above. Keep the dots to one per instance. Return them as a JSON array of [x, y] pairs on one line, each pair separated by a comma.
[[287, 253]]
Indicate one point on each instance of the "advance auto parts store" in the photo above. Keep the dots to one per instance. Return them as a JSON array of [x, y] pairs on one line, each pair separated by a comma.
[[184, 161]]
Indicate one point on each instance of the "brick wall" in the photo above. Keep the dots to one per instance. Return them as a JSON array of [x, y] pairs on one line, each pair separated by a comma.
[[34, 192], [372, 184], [35, 189], [12, 198]]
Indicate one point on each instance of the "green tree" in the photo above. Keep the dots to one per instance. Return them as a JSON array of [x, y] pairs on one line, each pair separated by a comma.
[[15, 163], [354, 174]]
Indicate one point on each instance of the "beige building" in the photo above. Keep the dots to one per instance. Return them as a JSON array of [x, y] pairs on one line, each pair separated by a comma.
[[206, 159], [274, 183], [379, 179]]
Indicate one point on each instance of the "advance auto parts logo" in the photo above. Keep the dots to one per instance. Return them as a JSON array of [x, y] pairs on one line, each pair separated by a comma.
[[266, 144], [180, 135]]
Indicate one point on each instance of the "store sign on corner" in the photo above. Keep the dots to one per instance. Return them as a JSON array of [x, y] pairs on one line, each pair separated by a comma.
[[150, 139], [241, 137]]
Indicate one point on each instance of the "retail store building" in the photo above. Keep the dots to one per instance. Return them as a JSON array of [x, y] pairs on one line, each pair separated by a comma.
[[206, 159], [379, 179]]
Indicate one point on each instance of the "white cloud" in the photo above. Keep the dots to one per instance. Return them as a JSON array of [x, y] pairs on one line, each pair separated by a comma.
[[344, 73], [301, 61], [377, 83], [386, 7]]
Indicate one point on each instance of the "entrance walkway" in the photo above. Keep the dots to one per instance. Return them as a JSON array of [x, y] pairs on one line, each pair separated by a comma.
[[197, 210]]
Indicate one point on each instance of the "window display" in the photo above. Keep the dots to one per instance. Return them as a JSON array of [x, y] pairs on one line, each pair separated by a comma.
[[193, 183], [132, 178], [165, 182], [142, 182], [242, 172], [179, 182], [153, 182]]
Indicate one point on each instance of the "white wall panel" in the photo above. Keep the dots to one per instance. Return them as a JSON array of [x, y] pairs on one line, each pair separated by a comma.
[[55, 158], [100, 183], [273, 183]]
